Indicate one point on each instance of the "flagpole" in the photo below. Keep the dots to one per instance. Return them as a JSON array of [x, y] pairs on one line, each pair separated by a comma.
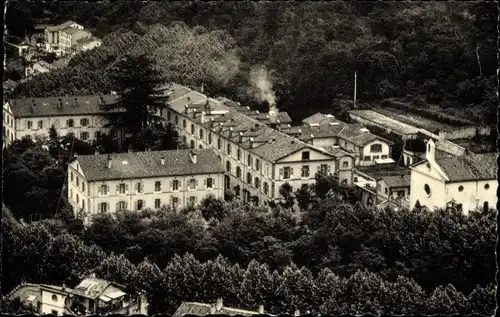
[[355, 86]]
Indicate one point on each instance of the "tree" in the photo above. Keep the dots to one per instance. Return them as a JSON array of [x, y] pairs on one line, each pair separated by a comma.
[[482, 300], [139, 84], [286, 191], [329, 286], [212, 208], [447, 300], [304, 197], [118, 269], [256, 284]]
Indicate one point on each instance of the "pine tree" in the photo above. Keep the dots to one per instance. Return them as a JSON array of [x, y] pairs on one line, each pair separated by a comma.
[[139, 84]]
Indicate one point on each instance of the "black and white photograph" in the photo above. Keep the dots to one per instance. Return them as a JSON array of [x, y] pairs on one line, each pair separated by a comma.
[[249, 158]]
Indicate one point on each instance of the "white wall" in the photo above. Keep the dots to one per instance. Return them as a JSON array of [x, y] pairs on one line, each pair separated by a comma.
[[474, 194], [48, 304], [366, 152]]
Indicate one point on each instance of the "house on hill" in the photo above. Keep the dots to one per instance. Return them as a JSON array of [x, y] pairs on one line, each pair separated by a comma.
[[217, 308]]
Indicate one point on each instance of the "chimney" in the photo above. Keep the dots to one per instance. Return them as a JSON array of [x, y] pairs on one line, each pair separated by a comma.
[[251, 143], [240, 137], [75, 103], [162, 160], [108, 161], [219, 304], [261, 309], [273, 117], [186, 109], [212, 309], [296, 313], [193, 157]]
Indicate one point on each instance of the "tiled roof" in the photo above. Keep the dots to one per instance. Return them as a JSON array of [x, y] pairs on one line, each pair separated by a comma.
[[48, 106], [397, 181], [67, 24], [469, 167], [148, 164], [269, 144], [202, 309], [385, 121], [91, 287], [384, 170], [339, 152], [318, 117]]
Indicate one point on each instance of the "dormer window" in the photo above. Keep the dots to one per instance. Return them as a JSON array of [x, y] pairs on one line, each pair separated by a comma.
[[305, 156]]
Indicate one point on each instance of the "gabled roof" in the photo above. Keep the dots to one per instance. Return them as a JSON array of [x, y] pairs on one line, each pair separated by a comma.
[[91, 287], [385, 121], [148, 164], [67, 24], [470, 167], [202, 309], [48, 106]]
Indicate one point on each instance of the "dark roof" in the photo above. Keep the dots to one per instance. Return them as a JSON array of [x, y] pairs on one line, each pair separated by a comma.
[[202, 309], [48, 106], [469, 167], [148, 164], [397, 181], [384, 170]]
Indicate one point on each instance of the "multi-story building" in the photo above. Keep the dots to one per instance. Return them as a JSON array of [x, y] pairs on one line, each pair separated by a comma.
[[87, 43], [69, 38], [81, 116], [325, 131], [257, 159], [469, 180], [92, 296], [139, 180]]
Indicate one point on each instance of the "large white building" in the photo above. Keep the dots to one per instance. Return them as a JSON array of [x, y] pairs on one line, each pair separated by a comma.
[[139, 180], [67, 38], [470, 180], [257, 159], [81, 116]]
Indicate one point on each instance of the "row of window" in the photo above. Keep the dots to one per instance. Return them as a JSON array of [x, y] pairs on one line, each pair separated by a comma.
[[375, 157], [140, 204], [70, 123], [175, 185], [287, 171]]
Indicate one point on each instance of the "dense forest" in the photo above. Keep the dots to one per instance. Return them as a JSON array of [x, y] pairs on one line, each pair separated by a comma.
[[436, 53]]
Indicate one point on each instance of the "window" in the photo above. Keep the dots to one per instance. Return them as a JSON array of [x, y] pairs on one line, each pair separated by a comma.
[[384, 157], [169, 116], [157, 186], [305, 156], [427, 190], [228, 166], [184, 139], [104, 189], [376, 157], [71, 193], [54, 312], [84, 122], [83, 204], [175, 201], [257, 182], [122, 205], [249, 160], [460, 188], [229, 149], [266, 188], [121, 188], [257, 164], [40, 124], [201, 133], [97, 135], [386, 190], [375, 148], [486, 186], [209, 138], [140, 204], [77, 199], [71, 175], [192, 129], [192, 183], [305, 171], [176, 119], [184, 124], [192, 200], [200, 146], [175, 184], [238, 154], [139, 188], [367, 158], [219, 143], [266, 167], [71, 135], [192, 145], [345, 164], [209, 182], [84, 136], [157, 203], [238, 171], [344, 181], [104, 207], [83, 187], [249, 178], [29, 124], [70, 123], [287, 172]]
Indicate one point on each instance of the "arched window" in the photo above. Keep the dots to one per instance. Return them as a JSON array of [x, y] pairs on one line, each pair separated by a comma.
[[192, 144], [238, 171], [486, 206], [249, 178], [219, 143], [427, 190], [184, 124], [228, 166], [210, 138], [201, 133]]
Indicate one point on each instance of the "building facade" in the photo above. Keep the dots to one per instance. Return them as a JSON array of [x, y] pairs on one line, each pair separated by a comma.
[[140, 180], [80, 116], [62, 39], [468, 180], [257, 159]]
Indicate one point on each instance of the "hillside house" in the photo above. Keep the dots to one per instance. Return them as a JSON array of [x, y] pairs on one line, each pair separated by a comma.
[[217, 308]]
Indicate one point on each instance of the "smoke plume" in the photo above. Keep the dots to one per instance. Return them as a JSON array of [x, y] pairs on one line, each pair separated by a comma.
[[261, 86]]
